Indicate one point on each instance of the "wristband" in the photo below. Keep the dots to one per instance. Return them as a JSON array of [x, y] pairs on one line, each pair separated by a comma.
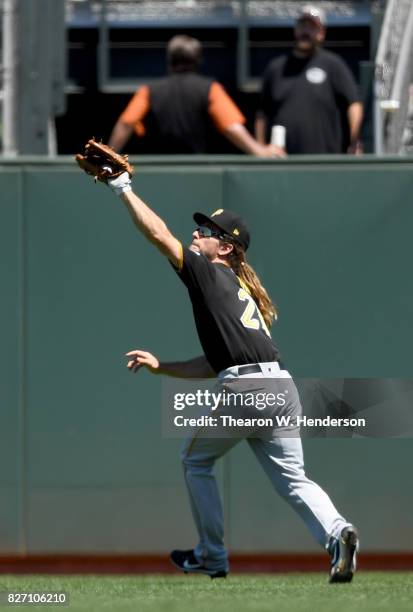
[[121, 184]]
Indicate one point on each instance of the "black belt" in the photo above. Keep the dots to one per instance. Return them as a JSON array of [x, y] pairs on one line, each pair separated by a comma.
[[255, 368]]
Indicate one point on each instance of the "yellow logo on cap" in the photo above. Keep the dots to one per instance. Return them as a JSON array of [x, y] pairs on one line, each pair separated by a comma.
[[217, 212], [236, 231]]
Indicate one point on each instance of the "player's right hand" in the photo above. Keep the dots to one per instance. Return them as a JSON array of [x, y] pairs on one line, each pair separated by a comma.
[[139, 359], [271, 150]]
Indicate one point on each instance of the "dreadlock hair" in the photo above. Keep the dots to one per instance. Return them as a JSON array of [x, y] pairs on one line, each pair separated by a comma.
[[248, 277]]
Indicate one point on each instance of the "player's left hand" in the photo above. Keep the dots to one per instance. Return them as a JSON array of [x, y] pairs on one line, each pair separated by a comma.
[[106, 165], [139, 359]]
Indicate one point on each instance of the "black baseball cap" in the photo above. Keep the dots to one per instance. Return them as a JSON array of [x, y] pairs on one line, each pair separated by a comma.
[[231, 223]]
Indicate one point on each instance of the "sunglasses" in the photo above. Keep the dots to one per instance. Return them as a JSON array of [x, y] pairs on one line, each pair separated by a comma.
[[208, 232]]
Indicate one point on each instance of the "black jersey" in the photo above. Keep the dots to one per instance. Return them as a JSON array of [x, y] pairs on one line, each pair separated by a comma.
[[230, 326]]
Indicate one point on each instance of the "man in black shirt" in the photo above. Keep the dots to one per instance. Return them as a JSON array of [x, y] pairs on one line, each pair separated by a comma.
[[233, 313], [312, 93]]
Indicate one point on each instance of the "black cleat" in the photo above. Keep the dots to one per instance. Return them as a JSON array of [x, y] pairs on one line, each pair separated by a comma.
[[186, 561], [343, 556]]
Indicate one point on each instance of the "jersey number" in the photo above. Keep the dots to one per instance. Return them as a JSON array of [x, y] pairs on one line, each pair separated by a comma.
[[247, 318]]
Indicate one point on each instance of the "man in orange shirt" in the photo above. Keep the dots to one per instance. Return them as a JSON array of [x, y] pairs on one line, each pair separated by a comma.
[[178, 109]]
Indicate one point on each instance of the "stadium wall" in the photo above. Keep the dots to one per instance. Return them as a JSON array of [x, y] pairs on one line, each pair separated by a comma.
[[83, 466]]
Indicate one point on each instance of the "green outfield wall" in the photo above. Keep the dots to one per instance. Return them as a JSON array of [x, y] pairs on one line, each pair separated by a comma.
[[83, 465]]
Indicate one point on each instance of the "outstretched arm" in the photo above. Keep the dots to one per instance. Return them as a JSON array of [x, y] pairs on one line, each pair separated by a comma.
[[153, 227], [106, 165], [193, 368]]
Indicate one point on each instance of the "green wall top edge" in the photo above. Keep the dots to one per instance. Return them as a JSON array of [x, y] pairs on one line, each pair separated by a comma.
[[218, 160]]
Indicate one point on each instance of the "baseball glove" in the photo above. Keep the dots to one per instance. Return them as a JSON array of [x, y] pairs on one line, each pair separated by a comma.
[[102, 162]]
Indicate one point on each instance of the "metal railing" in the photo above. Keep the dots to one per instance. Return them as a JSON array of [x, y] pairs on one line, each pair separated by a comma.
[[393, 76]]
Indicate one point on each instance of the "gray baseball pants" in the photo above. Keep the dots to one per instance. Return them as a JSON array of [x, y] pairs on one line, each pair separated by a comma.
[[281, 456]]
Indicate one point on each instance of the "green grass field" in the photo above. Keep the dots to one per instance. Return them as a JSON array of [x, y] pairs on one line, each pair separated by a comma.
[[238, 593]]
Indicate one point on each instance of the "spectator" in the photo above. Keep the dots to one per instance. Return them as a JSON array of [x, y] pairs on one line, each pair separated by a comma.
[[177, 109], [312, 93]]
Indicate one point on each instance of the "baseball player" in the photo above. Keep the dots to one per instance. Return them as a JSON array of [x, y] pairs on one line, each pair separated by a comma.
[[233, 314]]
